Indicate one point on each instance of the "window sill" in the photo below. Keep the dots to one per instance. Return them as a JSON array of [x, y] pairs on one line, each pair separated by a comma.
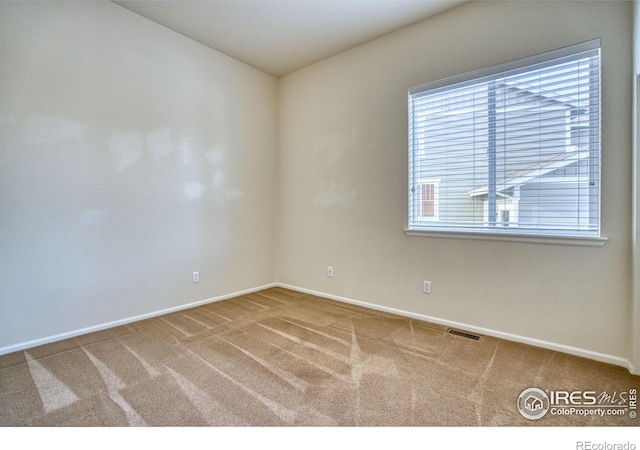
[[577, 241]]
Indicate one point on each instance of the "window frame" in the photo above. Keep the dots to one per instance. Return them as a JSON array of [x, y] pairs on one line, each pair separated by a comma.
[[503, 233]]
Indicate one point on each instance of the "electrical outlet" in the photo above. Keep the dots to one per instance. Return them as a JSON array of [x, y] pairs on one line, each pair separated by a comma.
[[330, 271], [426, 287], [195, 277]]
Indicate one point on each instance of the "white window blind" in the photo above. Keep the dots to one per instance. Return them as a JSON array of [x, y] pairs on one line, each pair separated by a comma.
[[515, 148]]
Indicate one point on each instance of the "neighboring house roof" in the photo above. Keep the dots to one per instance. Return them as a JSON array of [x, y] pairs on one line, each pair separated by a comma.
[[532, 172], [546, 94]]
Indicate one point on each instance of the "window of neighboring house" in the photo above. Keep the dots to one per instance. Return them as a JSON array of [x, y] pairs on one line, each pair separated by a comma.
[[427, 196], [515, 148]]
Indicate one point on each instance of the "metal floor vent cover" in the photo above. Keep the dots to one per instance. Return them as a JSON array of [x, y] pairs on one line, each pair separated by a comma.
[[464, 334]]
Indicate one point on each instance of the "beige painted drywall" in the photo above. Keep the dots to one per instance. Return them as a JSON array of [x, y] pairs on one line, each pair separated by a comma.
[[130, 156], [343, 182], [634, 334]]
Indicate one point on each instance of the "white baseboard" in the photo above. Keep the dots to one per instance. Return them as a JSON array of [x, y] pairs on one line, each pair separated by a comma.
[[602, 357], [116, 323]]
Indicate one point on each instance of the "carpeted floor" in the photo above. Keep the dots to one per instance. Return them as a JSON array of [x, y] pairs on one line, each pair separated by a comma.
[[283, 358]]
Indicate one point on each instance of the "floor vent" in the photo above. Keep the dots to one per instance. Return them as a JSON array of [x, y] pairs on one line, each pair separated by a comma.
[[464, 334]]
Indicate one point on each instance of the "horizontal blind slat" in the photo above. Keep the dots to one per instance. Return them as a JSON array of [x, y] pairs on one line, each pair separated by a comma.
[[530, 155]]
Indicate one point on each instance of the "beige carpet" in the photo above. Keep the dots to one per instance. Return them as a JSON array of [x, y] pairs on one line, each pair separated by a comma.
[[283, 358]]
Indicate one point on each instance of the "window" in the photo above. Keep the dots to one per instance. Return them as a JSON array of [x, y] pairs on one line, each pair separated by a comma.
[[512, 149], [427, 197]]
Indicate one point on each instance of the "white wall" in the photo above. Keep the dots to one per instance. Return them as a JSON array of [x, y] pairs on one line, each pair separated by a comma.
[[634, 334], [343, 183], [130, 156]]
